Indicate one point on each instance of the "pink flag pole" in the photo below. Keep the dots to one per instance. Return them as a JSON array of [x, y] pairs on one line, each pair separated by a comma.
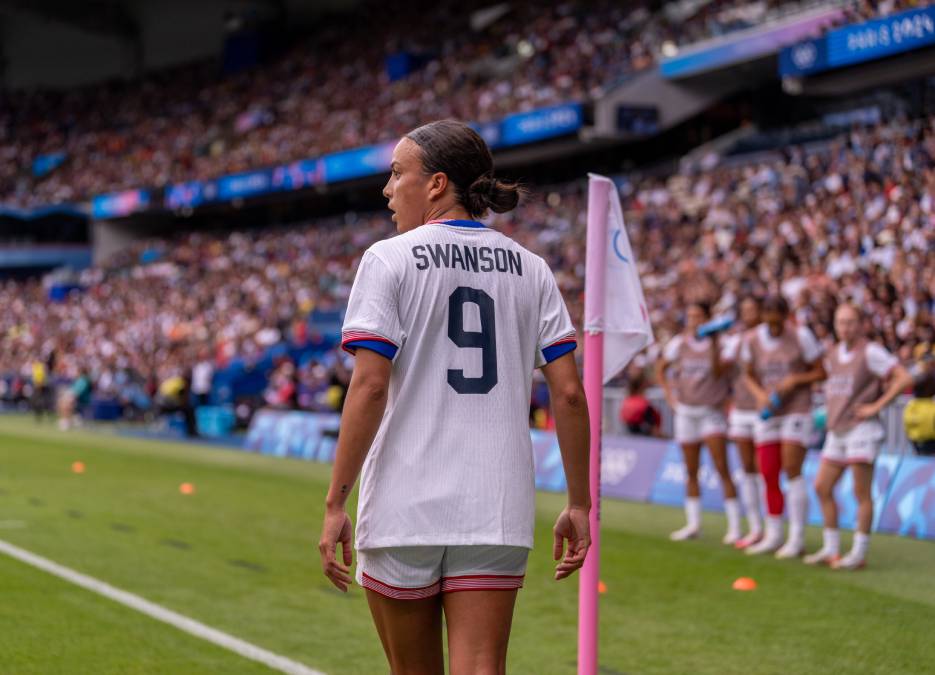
[[594, 291]]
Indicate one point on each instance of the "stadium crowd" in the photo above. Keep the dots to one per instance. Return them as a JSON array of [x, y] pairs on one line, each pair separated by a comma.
[[851, 219], [189, 123]]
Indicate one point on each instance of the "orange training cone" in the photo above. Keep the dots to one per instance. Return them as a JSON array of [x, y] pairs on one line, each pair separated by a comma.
[[744, 584], [187, 489], [77, 467]]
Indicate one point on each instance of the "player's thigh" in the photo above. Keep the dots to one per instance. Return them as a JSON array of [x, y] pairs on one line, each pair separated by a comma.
[[747, 451], [411, 633], [403, 586], [717, 446], [793, 457], [829, 473], [479, 585], [478, 624]]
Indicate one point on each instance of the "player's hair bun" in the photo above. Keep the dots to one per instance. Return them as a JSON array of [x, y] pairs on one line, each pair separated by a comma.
[[490, 193]]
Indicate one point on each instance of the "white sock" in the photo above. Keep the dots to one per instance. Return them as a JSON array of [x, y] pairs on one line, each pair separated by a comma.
[[831, 540], [773, 528], [732, 511], [798, 508], [861, 542], [750, 498], [693, 512]]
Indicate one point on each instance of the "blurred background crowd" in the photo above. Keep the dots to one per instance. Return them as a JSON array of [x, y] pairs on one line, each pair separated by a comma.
[[189, 123], [847, 213], [851, 218]]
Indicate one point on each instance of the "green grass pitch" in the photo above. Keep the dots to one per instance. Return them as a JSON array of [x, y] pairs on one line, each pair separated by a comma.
[[240, 555]]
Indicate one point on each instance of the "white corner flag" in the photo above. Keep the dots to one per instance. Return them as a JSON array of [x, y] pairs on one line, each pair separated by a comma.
[[624, 317]]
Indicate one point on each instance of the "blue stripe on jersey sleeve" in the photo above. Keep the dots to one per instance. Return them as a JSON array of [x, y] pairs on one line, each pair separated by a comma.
[[382, 348], [552, 352]]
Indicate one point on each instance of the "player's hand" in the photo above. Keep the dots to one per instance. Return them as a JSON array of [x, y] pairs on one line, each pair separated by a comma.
[[762, 401], [572, 526], [867, 411], [337, 529], [786, 385]]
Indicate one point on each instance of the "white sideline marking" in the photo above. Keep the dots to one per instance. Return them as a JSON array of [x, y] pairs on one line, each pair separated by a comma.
[[160, 613]]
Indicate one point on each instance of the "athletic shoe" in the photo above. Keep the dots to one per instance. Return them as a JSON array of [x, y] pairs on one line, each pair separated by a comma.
[[789, 550], [687, 532], [749, 540], [822, 557], [765, 545], [849, 562], [731, 538]]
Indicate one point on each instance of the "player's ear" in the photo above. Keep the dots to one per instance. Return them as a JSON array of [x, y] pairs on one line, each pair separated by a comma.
[[438, 184]]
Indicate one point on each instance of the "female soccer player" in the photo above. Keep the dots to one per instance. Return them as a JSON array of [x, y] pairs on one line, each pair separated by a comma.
[[447, 322], [701, 390], [782, 362], [854, 396], [741, 420]]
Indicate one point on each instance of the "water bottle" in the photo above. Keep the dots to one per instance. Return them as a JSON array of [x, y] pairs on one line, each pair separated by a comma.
[[774, 402], [718, 324]]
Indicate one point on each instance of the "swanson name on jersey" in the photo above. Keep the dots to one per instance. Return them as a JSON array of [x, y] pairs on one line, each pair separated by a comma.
[[469, 258]]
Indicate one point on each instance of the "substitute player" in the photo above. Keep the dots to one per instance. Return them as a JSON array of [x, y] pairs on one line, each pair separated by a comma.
[[448, 321], [701, 388], [854, 394], [782, 361], [741, 421]]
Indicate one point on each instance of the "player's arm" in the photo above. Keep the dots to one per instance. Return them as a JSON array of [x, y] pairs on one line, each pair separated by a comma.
[[899, 380], [572, 426], [815, 370], [753, 384], [662, 366], [815, 373], [718, 365], [363, 410]]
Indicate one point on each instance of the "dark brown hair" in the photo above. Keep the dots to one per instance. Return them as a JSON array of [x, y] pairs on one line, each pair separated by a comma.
[[703, 305], [456, 150], [775, 303]]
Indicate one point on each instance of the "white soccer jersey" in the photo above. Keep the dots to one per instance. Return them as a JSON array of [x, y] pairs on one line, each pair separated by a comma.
[[466, 314]]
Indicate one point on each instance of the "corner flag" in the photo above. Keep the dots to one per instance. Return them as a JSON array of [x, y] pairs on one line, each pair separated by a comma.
[[614, 307]]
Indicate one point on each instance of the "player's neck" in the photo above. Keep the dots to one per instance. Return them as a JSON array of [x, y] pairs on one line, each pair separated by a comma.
[[454, 212]]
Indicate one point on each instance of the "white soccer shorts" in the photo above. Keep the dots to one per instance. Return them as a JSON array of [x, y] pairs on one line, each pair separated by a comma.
[[417, 572], [791, 428], [693, 424], [741, 424], [860, 445]]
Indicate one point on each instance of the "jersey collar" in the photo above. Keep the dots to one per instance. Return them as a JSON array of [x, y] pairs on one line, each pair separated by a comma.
[[457, 223]]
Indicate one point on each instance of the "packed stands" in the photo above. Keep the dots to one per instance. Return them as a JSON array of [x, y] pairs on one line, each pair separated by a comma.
[[851, 217], [191, 123]]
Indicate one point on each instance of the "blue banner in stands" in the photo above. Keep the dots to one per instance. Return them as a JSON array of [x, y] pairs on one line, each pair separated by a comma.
[[44, 164], [747, 45], [539, 125], [119, 204], [862, 42], [358, 163], [371, 160]]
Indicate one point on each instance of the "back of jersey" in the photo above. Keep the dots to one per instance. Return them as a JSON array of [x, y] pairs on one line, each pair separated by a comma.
[[465, 314]]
